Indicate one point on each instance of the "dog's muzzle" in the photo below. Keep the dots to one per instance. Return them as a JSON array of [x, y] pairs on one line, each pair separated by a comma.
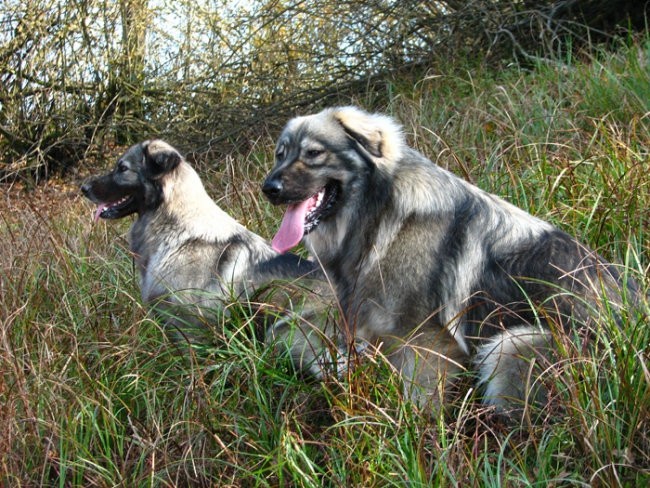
[[272, 188], [86, 189]]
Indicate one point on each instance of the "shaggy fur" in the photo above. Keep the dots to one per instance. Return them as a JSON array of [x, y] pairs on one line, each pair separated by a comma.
[[438, 273], [193, 257]]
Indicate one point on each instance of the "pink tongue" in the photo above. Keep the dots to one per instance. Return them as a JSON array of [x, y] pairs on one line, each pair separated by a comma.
[[100, 209], [292, 227]]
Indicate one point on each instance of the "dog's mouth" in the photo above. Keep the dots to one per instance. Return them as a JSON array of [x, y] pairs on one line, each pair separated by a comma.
[[303, 217], [114, 210]]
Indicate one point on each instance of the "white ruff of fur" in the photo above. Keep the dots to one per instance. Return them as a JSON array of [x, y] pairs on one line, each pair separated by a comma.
[[186, 199], [199, 217]]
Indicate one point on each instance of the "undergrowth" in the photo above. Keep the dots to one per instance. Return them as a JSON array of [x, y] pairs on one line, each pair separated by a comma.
[[93, 394]]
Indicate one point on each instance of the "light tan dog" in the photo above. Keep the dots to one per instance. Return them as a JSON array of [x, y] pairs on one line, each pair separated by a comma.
[[193, 257]]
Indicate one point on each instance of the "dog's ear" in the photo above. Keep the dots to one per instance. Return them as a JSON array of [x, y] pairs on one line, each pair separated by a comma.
[[378, 135], [160, 158]]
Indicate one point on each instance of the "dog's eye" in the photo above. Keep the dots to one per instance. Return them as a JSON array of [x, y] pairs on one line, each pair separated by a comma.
[[279, 153], [313, 153], [122, 167]]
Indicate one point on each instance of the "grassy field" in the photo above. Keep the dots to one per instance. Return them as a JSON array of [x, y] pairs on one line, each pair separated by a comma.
[[91, 394]]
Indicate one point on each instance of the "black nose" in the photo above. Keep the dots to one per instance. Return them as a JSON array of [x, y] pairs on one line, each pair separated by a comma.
[[85, 188], [272, 187]]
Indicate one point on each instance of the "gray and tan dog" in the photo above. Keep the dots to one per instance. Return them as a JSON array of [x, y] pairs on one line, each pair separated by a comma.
[[438, 272], [193, 257]]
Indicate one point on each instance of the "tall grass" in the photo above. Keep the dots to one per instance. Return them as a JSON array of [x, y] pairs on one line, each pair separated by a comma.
[[93, 395]]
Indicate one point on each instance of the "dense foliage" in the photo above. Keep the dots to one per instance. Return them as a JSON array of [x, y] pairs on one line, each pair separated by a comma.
[[76, 75]]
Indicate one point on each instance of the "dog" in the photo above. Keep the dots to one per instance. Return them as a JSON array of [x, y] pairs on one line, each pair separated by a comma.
[[438, 274], [193, 258]]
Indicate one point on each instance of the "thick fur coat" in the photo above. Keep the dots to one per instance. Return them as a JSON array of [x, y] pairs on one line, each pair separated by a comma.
[[193, 257], [435, 272]]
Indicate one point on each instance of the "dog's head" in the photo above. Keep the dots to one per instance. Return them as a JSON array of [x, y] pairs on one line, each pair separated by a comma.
[[319, 157], [134, 185]]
